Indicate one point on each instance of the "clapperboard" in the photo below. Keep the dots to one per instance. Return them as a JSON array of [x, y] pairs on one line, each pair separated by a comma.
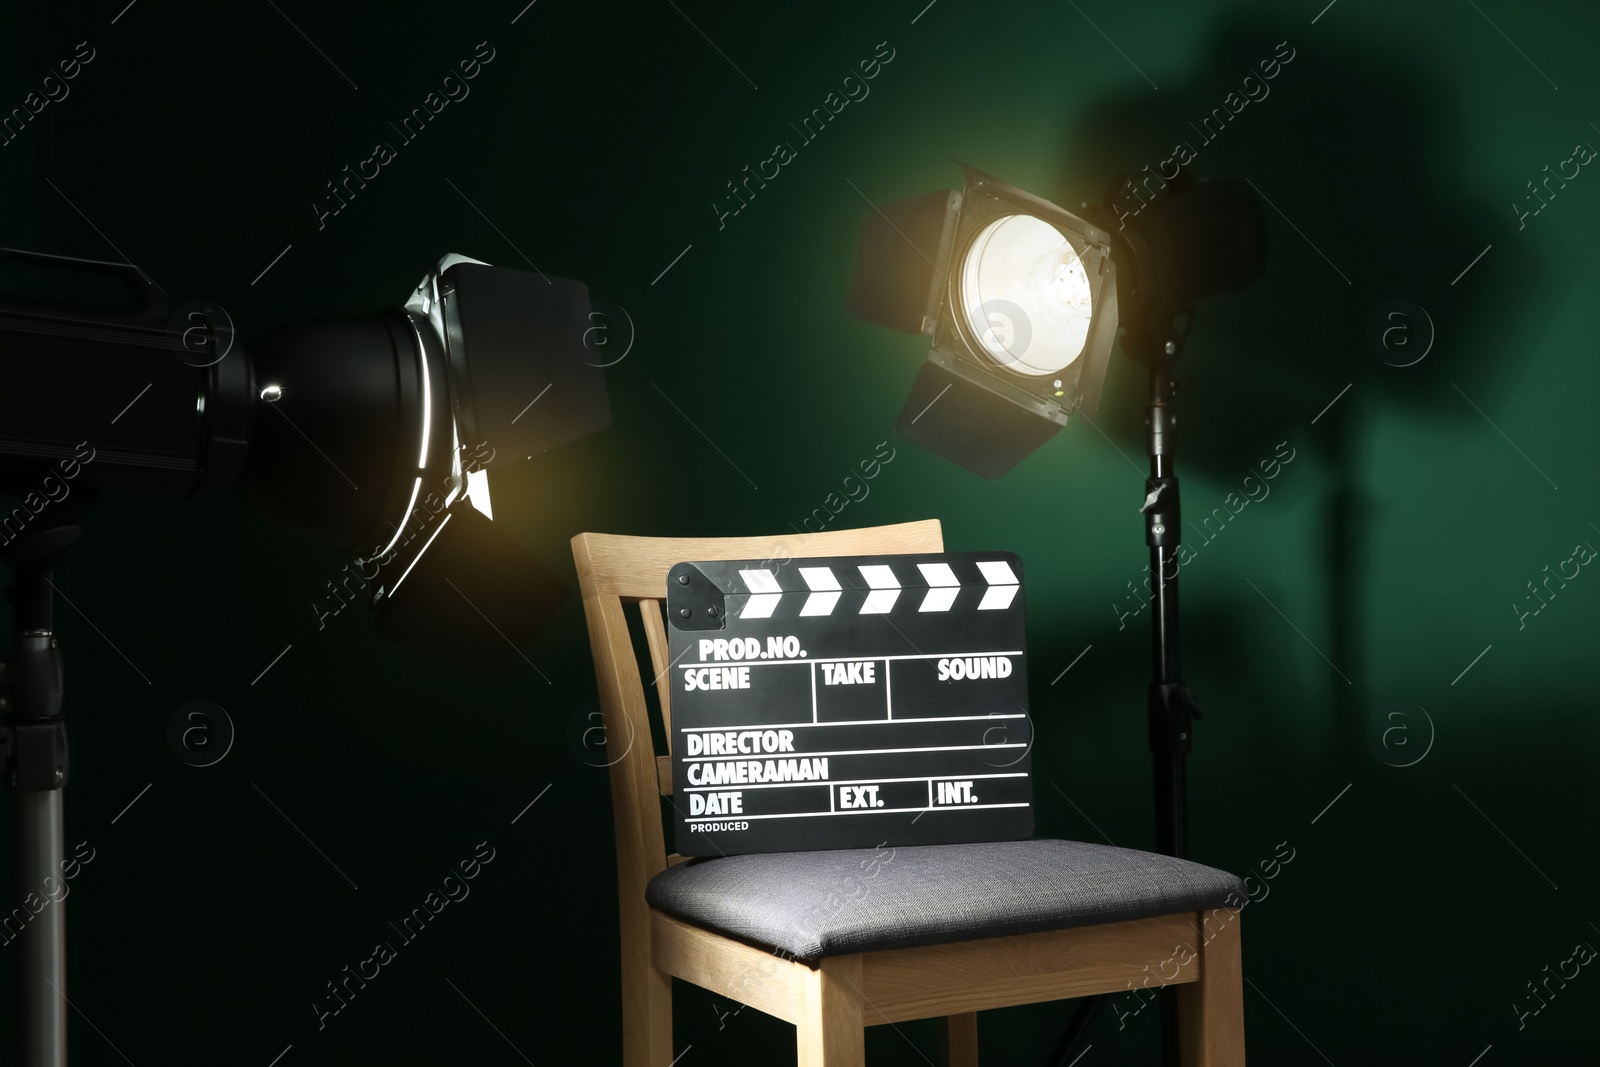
[[843, 702]]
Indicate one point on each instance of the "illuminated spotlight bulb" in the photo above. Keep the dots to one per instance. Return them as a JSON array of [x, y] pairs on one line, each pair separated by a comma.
[[1025, 295], [272, 393]]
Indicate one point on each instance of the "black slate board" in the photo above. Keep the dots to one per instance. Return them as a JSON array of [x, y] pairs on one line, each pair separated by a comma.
[[826, 703]]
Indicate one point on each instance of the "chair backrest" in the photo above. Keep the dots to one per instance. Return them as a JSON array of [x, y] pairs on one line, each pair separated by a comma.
[[614, 570]]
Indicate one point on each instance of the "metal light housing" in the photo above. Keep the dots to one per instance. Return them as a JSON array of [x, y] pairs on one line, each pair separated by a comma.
[[1019, 297], [364, 432]]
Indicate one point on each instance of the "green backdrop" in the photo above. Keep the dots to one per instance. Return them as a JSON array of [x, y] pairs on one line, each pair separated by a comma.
[[1377, 706]]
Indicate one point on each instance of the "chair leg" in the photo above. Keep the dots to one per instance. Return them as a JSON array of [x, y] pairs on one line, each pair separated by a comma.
[[958, 1038], [1211, 1010], [646, 1015], [830, 1032]]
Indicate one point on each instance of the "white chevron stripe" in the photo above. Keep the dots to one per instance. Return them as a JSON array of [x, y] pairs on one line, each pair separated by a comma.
[[760, 606], [820, 578], [943, 586], [879, 601], [1002, 585], [885, 589], [997, 572], [819, 604], [879, 576], [825, 591], [768, 592], [998, 596], [764, 581]]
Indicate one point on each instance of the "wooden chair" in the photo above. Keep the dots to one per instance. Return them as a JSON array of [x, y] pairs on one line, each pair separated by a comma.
[[831, 999]]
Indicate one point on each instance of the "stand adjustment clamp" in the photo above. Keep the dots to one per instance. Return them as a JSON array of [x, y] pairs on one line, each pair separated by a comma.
[[1173, 709], [1163, 515], [33, 733], [36, 754]]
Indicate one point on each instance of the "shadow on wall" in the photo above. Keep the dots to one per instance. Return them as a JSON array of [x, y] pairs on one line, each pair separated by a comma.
[[1355, 151]]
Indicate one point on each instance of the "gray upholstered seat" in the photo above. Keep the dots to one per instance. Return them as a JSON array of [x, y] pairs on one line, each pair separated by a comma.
[[815, 904]]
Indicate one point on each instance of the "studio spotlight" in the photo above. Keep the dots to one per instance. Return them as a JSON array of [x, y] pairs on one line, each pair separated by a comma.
[[375, 434], [1020, 299], [365, 433], [484, 366]]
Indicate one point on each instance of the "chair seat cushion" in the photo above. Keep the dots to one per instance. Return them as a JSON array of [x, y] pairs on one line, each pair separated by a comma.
[[815, 904]]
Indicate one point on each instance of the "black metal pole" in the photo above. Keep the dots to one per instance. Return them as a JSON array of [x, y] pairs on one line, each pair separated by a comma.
[[1172, 707], [42, 967], [36, 767]]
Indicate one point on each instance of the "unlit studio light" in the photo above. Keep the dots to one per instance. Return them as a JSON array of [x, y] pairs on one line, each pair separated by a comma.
[[372, 433], [420, 403]]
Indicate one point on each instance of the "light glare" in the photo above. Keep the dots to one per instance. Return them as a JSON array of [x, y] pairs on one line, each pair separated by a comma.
[[1025, 295]]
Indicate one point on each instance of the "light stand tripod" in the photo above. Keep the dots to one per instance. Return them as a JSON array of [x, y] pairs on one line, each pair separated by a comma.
[[1172, 707], [35, 765]]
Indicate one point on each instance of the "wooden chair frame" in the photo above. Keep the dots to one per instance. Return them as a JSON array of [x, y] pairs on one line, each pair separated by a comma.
[[830, 1001]]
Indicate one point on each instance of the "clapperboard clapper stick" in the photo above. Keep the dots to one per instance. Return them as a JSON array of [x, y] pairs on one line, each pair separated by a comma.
[[845, 702]]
